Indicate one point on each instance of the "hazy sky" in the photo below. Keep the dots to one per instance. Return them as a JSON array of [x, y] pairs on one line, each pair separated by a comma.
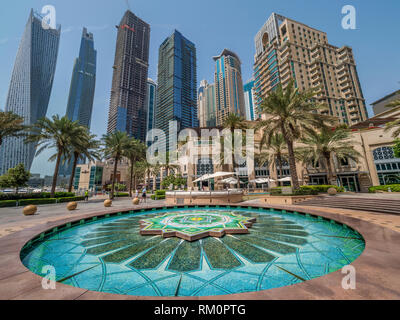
[[212, 25]]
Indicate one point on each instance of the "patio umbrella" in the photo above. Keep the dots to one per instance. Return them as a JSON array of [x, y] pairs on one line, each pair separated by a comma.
[[287, 179], [230, 180]]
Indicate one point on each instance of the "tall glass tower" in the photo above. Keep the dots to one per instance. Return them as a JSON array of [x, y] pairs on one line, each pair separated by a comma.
[[129, 84], [30, 86], [151, 103], [228, 86], [177, 84], [249, 100], [81, 92]]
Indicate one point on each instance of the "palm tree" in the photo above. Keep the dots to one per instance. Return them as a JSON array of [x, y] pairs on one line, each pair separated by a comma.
[[11, 125], [156, 172], [58, 133], [115, 144], [290, 112], [275, 152], [322, 144], [232, 122], [395, 123], [169, 165], [134, 151], [84, 147]]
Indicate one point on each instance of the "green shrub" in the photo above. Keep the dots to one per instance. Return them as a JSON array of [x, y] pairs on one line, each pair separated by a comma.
[[160, 192], [156, 197], [8, 203], [276, 191], [41, 195], [25, 202], [393, 188], [322, 188], [122, 194], [68, 199], [305, 192]]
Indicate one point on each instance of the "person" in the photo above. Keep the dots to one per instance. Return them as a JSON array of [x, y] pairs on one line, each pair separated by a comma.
[[86, 195], [137, 193], [144, 194]]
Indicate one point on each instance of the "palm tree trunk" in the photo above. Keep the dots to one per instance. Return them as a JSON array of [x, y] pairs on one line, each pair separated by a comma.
[[329, 169], [233, 166], [131, 180], [280, 174], [71, 178], [55, 176], [292, 165], [114, 177]]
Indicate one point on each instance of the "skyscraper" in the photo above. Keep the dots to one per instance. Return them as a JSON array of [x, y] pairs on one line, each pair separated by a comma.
[[129, 85], [287, 49], [151, 101], [249, 100], [177, 84], [228, 86], [206, 104], [30, 86], [81, 92]]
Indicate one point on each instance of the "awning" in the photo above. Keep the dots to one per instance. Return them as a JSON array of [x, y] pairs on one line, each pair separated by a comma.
[[262, 180], [203, 178], [287, 179], [229, 180], [220, 174]]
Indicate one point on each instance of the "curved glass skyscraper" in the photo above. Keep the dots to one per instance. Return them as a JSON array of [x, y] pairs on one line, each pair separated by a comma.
[[81, 92], [30, 87]]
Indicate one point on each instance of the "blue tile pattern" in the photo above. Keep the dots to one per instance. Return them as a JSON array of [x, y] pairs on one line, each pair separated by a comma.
[[109, 254]]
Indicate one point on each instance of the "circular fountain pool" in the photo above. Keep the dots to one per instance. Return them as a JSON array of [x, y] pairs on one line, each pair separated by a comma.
[[193, 251]]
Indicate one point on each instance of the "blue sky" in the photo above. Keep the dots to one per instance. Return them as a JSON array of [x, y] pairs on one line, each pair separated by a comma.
[[212, 25]]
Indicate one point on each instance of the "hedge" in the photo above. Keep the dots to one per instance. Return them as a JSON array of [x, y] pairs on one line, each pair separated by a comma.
[[122, 194], [8, 203], [393, 188], [68, 199], [42, 195], [156, 197], [160, 192], [25, 202], [322, 188]]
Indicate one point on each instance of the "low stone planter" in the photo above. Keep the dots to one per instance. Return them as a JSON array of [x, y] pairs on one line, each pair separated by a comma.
[[285, 199], [29, 210], [107, 203], [203, 197]]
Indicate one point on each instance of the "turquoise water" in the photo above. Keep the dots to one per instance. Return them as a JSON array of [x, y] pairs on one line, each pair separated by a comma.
[[110, 255]]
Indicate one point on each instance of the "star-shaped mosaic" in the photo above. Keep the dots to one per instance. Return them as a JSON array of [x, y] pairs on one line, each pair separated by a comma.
[[196, 225]]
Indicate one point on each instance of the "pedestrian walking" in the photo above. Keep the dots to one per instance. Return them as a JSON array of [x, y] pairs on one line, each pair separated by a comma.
[[144, 194]]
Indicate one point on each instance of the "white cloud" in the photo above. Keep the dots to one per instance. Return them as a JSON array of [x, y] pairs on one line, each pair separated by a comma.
[[3, 41], [67, 29]]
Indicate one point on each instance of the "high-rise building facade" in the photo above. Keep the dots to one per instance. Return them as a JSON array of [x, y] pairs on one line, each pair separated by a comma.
[[287, 49], [150, 104], [83, 82], [30, 86], [206, 104], [177, 84], [249, 100], [129, 84], [229, 95], [81, 92]]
